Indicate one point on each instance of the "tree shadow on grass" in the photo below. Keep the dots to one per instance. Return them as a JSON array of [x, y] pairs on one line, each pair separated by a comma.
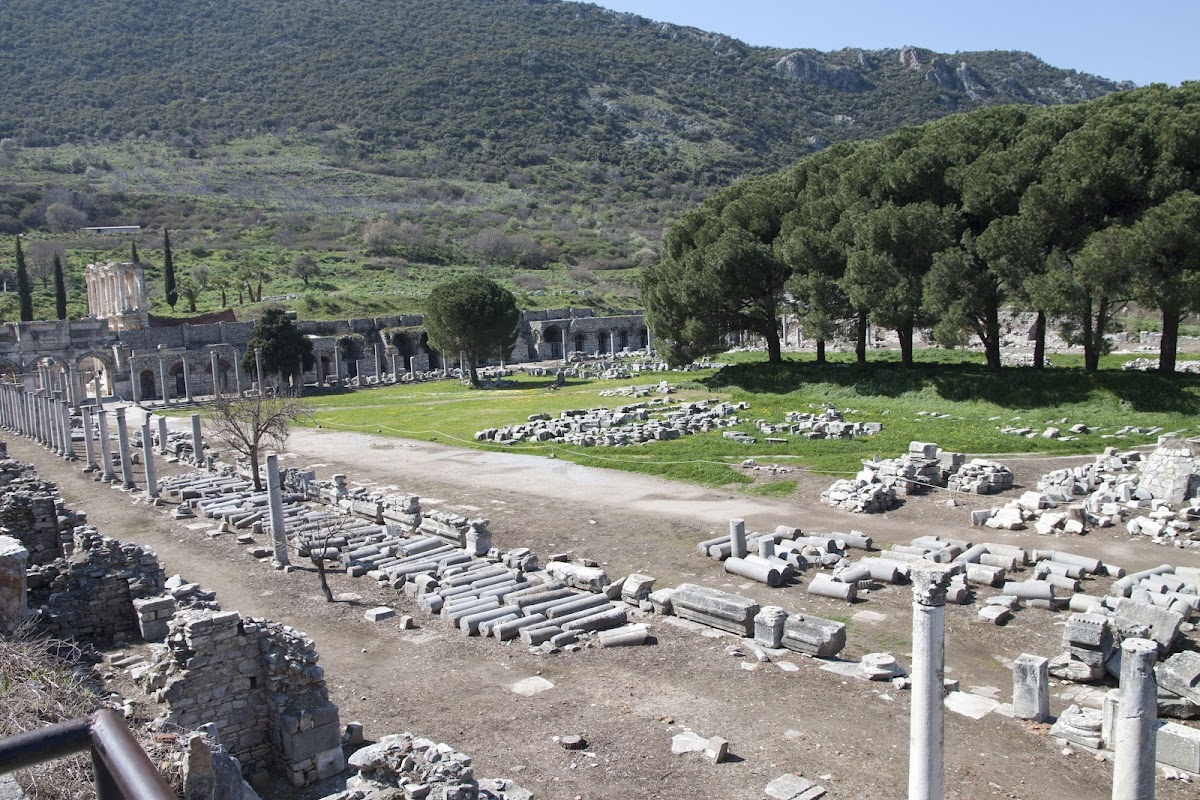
[[1012, 387]]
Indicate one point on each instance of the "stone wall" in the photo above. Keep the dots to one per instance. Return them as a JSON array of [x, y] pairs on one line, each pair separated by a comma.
[[89, 595], [258, 684], [32, 513]]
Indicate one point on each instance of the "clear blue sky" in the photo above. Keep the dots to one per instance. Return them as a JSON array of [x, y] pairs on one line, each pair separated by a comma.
[[1154, 41]]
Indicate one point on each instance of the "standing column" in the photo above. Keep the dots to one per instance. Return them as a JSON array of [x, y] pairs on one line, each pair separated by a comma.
[[68, 441], [162, 377], [258, 366], [412, 368], [126, 458], [134, 384], [148, 455], [378, 363], [275, 503], [358, 376], [1136, 726], [73, 387], [216, 379], [927, 734], [337, 365], [162, 435], [566, 359], [197, 440], [395, 371], [105, 453], [54, 423], [187, 378], [89, 450], [318, 369], [237, 372], [737, 538], [99, 392]]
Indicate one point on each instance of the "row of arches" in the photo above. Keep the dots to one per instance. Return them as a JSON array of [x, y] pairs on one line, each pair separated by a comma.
[[606, 341]]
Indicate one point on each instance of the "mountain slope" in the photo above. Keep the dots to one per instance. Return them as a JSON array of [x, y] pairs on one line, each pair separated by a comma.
[[493, 83]]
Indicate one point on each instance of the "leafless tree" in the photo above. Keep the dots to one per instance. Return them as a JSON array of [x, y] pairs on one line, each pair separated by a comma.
[[249, 426], [317, 543]]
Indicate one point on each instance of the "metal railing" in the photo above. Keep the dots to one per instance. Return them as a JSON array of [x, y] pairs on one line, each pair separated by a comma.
[[121, 767]]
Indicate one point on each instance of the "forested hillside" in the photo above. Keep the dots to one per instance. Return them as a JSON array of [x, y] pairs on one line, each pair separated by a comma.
[[495, 133]]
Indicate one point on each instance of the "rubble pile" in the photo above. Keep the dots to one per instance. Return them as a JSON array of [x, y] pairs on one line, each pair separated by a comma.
[[925, 466], [828, 423], [638, 423]]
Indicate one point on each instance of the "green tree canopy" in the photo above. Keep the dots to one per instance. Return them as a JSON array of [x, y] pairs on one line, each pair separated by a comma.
[[284, 348], [24, 287], [719, 274], [472, 315]]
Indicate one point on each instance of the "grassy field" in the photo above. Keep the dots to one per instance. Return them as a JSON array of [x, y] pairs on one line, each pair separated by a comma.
[[977, 403]]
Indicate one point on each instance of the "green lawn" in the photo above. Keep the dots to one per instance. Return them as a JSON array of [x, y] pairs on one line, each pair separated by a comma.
[[978, 404]]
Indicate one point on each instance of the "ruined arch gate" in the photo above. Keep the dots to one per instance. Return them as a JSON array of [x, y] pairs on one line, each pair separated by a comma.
[[119, 351]]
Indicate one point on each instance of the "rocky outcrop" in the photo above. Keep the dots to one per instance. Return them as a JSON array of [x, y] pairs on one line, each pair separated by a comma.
[[807, 69]]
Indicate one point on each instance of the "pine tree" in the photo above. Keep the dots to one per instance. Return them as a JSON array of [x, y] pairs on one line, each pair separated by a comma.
[[24, 287], [169, 271], [60, 289]]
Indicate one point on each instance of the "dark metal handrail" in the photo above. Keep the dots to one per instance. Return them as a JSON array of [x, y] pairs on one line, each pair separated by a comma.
[[122, 769]]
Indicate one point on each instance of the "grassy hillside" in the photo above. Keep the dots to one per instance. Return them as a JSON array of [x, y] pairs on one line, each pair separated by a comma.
[[549, 142]]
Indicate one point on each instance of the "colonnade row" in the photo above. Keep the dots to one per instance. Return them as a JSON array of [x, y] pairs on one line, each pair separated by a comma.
[[1135, 726]]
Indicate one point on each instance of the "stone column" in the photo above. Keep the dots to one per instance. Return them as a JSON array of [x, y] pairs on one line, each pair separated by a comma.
[[412, 368], [337, 365], [395, 371], [13, 589], [187, 378], [566, 354], [89, 450], [105, 454], [73, 387], [135, 386], [68, 442], [1136, 725], [275, 506], [317, 369], [1031, 688], [148, 456], [162, 436], [358, 376], [162, 376], [53, 423], [258, 365], [378, 363], [737, 538], [927, 734], [197, 440], [215, 361], [126, 459], [99, 392]]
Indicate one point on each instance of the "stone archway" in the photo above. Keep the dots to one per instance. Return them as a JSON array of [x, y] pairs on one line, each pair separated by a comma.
[[553, 337], [95, 364], [580, 343]]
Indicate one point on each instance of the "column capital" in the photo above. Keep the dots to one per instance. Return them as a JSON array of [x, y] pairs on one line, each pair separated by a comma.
[[929, 584]]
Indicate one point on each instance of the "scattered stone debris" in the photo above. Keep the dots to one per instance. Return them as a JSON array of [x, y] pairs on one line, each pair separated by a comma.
[[638, 423]]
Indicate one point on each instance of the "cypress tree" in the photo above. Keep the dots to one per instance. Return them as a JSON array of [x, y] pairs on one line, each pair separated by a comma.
[[134, 253], [60, 289], [24, 287], [169, 271]]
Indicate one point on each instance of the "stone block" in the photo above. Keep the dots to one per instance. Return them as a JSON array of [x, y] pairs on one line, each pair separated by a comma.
[[1031, 688], [1181, 674], [768, 626], [593, 579], [815, 636], [637, 588], [303, 745], [716, 750], [13, 604], [380, 613], [794, 787], [723, 610], [1163, 624], [330, 763], [1178, 746]]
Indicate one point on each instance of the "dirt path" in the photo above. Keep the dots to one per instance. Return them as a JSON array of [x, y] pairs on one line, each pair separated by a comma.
[[847, 734]]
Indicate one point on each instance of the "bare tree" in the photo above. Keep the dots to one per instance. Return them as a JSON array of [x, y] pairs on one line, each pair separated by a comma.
[[317, 544], [250, 426]]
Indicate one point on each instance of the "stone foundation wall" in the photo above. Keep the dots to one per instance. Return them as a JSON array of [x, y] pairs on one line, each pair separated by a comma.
[[258, 684], [89, 595], [32, 513]]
